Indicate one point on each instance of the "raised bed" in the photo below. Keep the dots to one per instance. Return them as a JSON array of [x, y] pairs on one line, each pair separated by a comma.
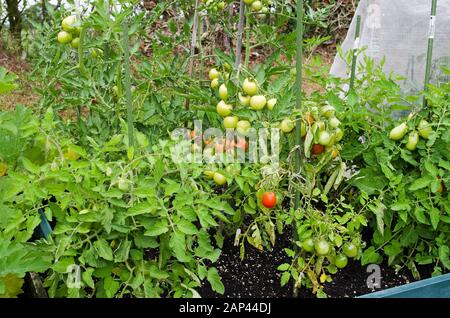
[[436, 287]]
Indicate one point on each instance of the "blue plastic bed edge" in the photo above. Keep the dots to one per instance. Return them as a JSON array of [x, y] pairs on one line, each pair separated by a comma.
[[435, 287]]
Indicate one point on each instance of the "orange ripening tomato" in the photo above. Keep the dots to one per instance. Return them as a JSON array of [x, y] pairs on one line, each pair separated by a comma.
[[309, 118], [317, 149], [269, 199]]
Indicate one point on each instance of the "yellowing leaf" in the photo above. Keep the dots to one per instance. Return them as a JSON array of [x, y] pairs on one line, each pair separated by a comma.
[[3, 169], [323, 278], [12, 286]]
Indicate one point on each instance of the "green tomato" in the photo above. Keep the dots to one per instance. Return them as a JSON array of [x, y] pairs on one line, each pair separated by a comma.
[[64, 37], [258, 102], [219, 178], [327, 111], [325, 138], [244, 100], [257, 5], [308, 245], [230, 122], [209, 174], [350, 250], [223, 92], [320, 125], [116, 91], [302, 129], [339, 134], [287, 125], [243, 126], [248, 2], [334, 122], [271, 103], [221, 5], [213, 74], [341, 261], [224, 109], [322, 247], [250, 87], [215, 83], [424, 129], [398, 132], [413, 139], [69, 23], [123, 184], [75, 43]]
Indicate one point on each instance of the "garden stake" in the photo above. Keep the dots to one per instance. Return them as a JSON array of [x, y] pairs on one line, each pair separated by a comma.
[[193, 44], [247, 38], [431, 33], [298, 84], [355, 52], [239, 35], [126, 50]]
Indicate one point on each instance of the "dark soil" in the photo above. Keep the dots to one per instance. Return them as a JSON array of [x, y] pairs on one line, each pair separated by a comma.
[[257, 276]]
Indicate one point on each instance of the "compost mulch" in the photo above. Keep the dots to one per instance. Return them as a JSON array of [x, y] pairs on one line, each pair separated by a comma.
[[256, 276]]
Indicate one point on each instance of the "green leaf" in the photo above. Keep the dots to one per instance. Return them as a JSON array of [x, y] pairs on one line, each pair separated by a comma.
[[146, 207], [103, 249], [378, 209], [420, 184], [17, 258], [157, 273], [111, 286], [370, 256], [419, 213], [285, 278], [122, 253], [178, 244], [444, 255], [157, 228], [87, 277], [215, 281], [30, 166], [187, 227], [434, 217], [283, 267]]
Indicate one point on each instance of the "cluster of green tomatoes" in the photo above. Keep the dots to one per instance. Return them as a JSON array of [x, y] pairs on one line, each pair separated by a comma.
[[322, 248], [249, 97], [214, 5], [259, 6], [423, 130], [70, 32], [323, 127]]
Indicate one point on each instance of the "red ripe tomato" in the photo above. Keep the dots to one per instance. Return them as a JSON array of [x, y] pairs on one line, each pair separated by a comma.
[[269, 199], [317, 149]]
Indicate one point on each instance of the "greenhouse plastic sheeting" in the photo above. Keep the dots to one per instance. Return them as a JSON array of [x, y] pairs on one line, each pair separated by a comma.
[[398, 30]]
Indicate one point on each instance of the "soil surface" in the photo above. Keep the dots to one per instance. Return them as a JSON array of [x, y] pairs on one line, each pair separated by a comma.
[[257, 276]]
